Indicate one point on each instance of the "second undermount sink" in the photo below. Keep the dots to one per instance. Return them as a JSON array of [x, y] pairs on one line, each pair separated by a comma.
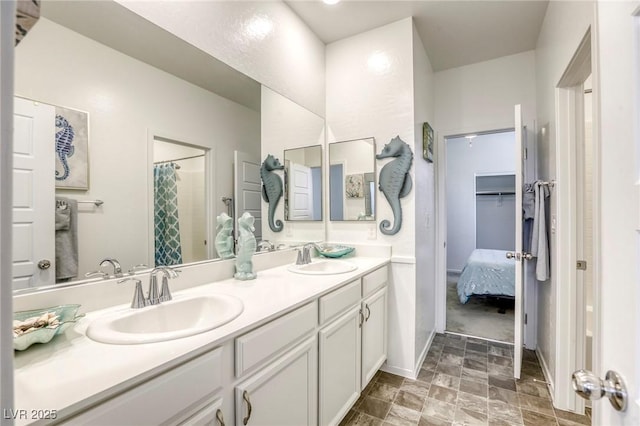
[[323, 267], [181, 317]]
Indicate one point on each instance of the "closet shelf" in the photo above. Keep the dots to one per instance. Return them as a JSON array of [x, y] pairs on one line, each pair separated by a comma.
[[495, 192]]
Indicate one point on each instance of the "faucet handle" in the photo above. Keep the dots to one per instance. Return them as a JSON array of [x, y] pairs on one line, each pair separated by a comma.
[[96, 274], [165, 293], [136, 268], [138, 296], [299, 260]]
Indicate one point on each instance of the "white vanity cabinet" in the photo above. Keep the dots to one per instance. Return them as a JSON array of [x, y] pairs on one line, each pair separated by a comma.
[[278, 372], [192, 390], [352, 343]]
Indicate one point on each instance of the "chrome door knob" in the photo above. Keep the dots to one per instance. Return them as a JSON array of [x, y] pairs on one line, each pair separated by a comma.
[[44, 264], [510, 255], [591, 387], [527, 256]]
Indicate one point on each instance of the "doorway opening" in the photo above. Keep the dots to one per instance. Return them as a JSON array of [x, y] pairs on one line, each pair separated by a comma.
[[480, 217], [179, 202]]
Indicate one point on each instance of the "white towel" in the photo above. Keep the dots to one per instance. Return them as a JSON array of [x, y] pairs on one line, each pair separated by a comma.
[[539, 240]]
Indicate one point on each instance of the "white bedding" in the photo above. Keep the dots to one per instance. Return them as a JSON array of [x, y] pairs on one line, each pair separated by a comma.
[[487, 272]]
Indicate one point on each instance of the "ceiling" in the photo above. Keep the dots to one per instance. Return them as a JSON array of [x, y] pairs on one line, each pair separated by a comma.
[[454, 33]]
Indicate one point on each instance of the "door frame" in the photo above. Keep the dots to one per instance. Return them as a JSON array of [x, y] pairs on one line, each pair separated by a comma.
[[530, 292], [209, 189], [570, 325]]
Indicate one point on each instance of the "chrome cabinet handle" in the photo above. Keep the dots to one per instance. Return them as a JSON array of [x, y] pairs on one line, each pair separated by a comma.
[[361, 318], [220, 418], [245, 396], [368, 312], [589, 386]]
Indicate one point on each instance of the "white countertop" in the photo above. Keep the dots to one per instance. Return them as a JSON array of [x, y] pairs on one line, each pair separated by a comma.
[[72, 371]]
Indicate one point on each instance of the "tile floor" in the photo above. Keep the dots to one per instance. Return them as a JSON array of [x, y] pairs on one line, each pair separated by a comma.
[[463, 381]]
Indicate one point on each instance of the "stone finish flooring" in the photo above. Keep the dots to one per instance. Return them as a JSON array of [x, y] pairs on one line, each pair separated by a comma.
[[463, 381]]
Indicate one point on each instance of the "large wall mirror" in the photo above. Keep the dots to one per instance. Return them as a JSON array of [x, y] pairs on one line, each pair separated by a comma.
[[352, 180], [303, 183], [143, 110]]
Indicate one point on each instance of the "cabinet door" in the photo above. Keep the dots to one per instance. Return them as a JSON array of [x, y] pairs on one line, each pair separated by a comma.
[[283, 393], [374, 334], [339, 373]]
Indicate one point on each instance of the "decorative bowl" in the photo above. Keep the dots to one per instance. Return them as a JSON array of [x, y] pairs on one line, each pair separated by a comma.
[[66, 315], [334, 250]]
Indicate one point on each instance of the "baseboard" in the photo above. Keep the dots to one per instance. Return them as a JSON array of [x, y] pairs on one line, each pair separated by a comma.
[[399, 371], [409, 374], [546, 374]]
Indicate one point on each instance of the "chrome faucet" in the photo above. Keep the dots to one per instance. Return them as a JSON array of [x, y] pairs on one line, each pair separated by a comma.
[[266, 244], [117, 269], [304, 256], [138, 297], [153, 298]]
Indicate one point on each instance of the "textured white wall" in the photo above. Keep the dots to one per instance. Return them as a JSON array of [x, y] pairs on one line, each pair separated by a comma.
[[423, 93], [564, 26], [263, 39], [126, 99], [370, 92], [491, 153], [287, 125]]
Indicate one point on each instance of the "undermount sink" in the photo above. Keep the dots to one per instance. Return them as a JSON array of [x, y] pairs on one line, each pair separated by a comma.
[[180, 317], [323, 267]]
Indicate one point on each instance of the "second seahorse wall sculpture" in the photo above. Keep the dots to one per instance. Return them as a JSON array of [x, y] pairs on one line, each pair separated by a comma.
[[395, 180], [272, 189], [246, 248], [224, 239]]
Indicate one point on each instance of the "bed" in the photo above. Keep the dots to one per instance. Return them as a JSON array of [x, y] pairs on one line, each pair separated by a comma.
[[487, 272]]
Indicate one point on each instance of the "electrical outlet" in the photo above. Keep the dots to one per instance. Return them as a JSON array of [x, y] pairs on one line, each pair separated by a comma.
[[371, 232]]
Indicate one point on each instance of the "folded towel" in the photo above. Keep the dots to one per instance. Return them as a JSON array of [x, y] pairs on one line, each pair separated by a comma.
[[66, 239]]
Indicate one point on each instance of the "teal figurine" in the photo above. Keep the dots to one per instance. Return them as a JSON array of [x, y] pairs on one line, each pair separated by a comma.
[[246, 248], [224, 239], [395, 180], [272, 189]]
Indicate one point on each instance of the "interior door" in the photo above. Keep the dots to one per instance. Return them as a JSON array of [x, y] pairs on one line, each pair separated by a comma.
[[247, 190], [301, 192], [33, 194], [519, 290]]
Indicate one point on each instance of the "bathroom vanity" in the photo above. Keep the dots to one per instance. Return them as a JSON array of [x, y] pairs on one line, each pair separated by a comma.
[[301, 352]]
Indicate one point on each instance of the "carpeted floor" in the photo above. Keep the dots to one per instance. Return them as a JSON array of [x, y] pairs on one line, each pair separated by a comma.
[[479, 317]]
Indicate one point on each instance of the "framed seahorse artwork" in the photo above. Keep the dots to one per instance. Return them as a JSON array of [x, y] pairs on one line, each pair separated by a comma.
[[72, 149]]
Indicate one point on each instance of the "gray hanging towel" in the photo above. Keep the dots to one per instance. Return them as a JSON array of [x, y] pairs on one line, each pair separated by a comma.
[[66, 239], [528, 201], [539, 239]]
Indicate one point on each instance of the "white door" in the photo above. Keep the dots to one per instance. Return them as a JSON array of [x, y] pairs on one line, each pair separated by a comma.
[[247, 190], [518, 340], [33, 194], [300, 192]]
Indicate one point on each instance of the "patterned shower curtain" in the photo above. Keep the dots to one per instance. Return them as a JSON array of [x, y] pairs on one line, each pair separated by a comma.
[[167, 228]]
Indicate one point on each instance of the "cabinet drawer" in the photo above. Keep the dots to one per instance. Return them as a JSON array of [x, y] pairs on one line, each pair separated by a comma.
[[258, 346], [339, 300], [162, 399], [375, 280]]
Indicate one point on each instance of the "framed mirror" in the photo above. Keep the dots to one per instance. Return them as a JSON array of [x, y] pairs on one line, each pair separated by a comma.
[[352, 180], [303, 183]]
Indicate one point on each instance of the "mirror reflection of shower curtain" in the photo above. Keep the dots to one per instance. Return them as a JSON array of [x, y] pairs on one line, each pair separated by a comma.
[[166, 224]]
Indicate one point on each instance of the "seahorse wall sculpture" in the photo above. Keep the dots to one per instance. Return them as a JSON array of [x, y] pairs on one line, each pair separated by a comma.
[[224, 239], [395, 180], [64, 145], [272, 189], [246, 248]]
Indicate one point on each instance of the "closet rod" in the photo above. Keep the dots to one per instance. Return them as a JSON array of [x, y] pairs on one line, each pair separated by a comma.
[[495, 192]]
